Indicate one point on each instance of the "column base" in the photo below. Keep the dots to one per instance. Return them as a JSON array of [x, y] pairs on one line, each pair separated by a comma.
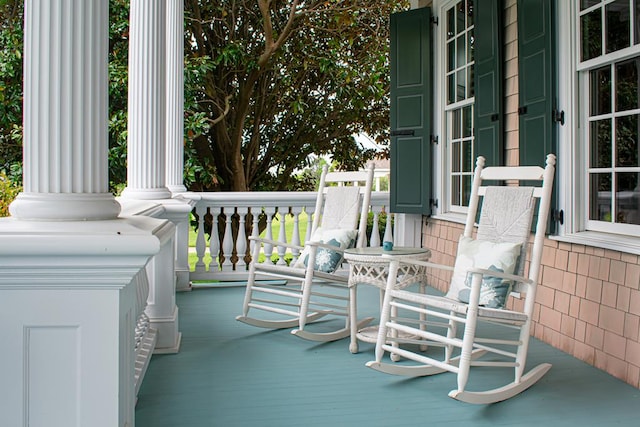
[[64, 206], [169, 337], [146, 193]]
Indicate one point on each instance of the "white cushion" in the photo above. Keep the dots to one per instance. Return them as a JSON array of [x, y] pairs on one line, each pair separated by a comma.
[[501, 257]]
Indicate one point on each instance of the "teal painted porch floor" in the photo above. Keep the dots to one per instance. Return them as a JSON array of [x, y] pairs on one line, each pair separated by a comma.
[[231, 374]]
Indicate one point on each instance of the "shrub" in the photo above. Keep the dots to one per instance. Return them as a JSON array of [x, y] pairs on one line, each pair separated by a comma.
[[8, 192]]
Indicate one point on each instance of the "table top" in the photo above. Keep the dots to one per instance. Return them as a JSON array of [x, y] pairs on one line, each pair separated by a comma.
[[378, 251]]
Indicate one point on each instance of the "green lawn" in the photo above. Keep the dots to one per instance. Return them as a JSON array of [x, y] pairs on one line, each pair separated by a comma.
[[193, 258]]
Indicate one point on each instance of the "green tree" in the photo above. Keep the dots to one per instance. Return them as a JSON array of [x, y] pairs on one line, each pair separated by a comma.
[[11, 13], [286, 79]]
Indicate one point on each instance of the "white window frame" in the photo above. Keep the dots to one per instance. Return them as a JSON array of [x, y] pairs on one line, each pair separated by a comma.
[[572, 148], [441, 153]]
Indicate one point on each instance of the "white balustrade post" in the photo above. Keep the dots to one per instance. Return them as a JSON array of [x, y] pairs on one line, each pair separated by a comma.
[[175, 97], [295, 239], [374, 239], [214, 241], [282, 236], [227, 240], [200, 239], [268, 247], [241, 241], [255, 228]]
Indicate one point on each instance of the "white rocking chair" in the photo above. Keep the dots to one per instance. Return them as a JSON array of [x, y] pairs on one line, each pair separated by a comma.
[[484, 272], [340, 218]]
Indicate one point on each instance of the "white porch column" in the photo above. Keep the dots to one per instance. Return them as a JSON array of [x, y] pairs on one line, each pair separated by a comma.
[[146, 105], [175, 97], [68, 297], [65, 113]]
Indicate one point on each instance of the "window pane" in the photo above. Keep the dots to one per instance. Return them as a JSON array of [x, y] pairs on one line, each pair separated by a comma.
[[627, 141], [462, 86], [600, 82], [591, 35], [467, 160], [627, 85], [466, 122], [451, 53], [636, 20], [455, 157], [460, 13], [451, 23], [627, 198], [461, 54], [469, 13], [618, 30], [456, 124], [600, 200], [470, 41], [455, 190], [451, 88], [600, 136], [585, 4], [466, 190]]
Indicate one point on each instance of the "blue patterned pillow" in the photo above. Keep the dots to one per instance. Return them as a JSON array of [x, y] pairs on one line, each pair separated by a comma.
[[499, 257], [326, 259]]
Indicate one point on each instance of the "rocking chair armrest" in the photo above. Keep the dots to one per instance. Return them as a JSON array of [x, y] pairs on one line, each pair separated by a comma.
[[325, 245], [275, 242]]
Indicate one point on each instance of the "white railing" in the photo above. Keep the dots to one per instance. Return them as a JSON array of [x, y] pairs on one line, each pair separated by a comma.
[[230, 254]]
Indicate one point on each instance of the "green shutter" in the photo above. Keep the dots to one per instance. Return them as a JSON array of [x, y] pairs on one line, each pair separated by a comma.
[[537, 85], [488, 82], [411, 103], [536, 81]]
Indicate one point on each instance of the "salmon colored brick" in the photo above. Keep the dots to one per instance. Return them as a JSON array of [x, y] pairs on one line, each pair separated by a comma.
[[578, 248], [633, 353], [581, 331], [634, 302], [615, 345], [594, 337], [633, 375], [632, 277], [581, 286], [568, 282], [612, 365], [589, 311], [550, 318], [612, 254], [562, 259], [604, 270], [629, 258], [609, 294], [568, 326], [561, 302], [583, 264], [572, 262], [594, 266], [545, 296], [622, 302], [617, 272], [594, 290], [567, 344], [598, 251], [611, 319], [632, 327], [548, 256], [552, 277], [574, 306], [588, 250]]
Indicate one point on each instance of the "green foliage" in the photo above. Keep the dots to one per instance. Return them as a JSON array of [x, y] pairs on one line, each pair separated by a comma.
[[283, 86], [11, 90], [8, 191]]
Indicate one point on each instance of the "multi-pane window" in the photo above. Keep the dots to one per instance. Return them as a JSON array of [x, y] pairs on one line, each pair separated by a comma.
[[458, 78], [609, 65]]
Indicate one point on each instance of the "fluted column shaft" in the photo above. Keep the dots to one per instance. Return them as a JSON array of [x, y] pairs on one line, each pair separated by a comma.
[[65, 112], [146, 104], [175, 97]]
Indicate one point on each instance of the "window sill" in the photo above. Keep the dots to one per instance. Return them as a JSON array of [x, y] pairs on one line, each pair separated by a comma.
[[459, 218], [614, 242]]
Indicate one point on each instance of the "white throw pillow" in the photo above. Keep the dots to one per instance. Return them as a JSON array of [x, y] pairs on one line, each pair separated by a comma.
[[501, 257], [326, 259]]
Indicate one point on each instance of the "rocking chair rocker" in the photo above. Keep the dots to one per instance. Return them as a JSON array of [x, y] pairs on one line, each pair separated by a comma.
[[488, 271]]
